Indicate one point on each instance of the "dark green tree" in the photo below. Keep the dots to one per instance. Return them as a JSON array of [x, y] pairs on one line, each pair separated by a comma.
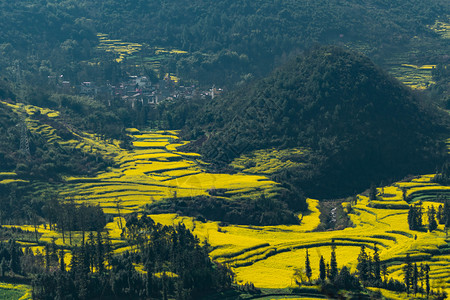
[[421, 277], [427, 279], [4, 267], [408, 273], [333, 263], [47, 257], [419, 214], [89, 252], [15, 254], [446, 214], [415, 281], [415, 216], [404, 195], [344, 280], [376, 265], [62, 265], [432, 224], [327, 269], [100, 253], [412, 218], [308, 269], [363, 264], [322, 269], [384, 271], [373, 192], [440, 214]]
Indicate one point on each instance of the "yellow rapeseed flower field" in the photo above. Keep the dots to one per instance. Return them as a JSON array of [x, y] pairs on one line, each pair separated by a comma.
[[265, 255], [441, 28], [268, 161], [143, 176], [25, 290]]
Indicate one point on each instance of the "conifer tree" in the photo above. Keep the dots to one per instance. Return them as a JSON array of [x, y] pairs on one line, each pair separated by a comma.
[[412, 218], [384, 271], [421, 276], [62, 265], [100, 258], [432, 224], [89, 251], [86, 259], [327, 269], [53, 250], [407, 273], [419, 213], [75, 260], [47, 257], [333, 263], [415, 216], [362, 267], [427, 279], [404, 196], [308, 270], [3, 267], [446, 214], [107, 246], [148, 281], [373, 192], [440, 214], [369, 267], [14, 252], [376, 265], [415, 279], [322, 269]]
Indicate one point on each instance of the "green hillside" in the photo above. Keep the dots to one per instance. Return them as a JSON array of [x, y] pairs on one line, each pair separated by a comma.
[[224, 42], [233, 149], [361, 125]]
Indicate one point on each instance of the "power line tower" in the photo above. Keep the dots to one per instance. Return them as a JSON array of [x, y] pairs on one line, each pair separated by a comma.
[[18, 77], [24, 142]]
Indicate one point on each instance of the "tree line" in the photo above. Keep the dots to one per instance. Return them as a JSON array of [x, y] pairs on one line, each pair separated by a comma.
[[441, 216], [160, 262], [370, 272], [261, 211], [174, 265]]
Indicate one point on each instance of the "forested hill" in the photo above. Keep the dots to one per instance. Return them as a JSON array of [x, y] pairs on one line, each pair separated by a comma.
[[227, 41], [362, 125], [264, 28]]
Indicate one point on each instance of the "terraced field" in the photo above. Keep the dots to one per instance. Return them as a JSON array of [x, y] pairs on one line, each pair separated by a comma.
[[10, 177], [401, 65], [120, 48], [267, 256], [441, 28], [269, 161], [15, 291], [153, 171], [416, 77], [132, 53]]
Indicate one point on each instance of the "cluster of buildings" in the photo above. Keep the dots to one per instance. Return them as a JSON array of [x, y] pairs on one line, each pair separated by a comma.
[[140, 88]]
